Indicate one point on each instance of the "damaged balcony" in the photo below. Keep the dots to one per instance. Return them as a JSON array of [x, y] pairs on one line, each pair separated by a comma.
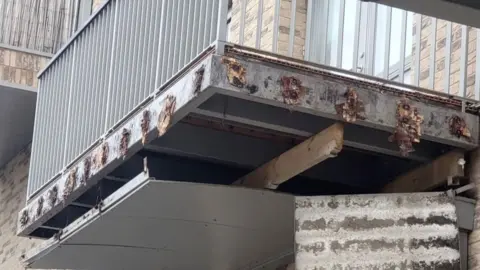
[[129, 95]]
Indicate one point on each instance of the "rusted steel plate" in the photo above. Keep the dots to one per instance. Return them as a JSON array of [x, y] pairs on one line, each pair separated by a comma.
[[391, 231]]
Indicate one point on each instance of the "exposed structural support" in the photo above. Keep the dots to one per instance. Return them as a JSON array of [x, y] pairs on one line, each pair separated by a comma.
[[328, 143], [434, 174]]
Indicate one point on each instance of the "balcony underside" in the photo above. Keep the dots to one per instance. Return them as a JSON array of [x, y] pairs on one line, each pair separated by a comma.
[[225, 117], [17, 111]]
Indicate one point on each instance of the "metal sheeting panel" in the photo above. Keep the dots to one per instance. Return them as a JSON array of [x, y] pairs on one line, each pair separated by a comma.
[[112, 65], [396, 231], [188, 27], [146, 224], [89, 88], [50, 121]]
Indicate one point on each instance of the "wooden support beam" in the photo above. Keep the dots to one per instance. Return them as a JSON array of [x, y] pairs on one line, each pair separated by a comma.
[[328, 143], [429, 176]]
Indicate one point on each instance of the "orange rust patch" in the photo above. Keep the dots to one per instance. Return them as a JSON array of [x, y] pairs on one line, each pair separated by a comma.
[[408, 128], [292, 90], [144, 125], [458, 127], [165, 116], [124, 142], [236, 73], [353, 107], [70, 183]]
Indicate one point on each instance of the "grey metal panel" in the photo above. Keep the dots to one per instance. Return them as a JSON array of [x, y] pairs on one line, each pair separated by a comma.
[[112, 65], [418, 38], [291, 37], [477, 66], [463, 62], [386, 55], [207, 225], [385, 231], [433, 51], [403, 40], [448, 51]]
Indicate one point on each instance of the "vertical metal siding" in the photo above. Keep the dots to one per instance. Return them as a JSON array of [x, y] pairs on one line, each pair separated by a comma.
[[127, 51], [385, 231]]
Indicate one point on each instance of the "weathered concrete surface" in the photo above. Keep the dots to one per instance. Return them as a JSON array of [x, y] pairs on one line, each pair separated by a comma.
[[322, 95], [396, 231]]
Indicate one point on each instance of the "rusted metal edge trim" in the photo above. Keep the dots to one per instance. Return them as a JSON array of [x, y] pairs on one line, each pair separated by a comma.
[[368, 81], [106, 155], [46, 246]]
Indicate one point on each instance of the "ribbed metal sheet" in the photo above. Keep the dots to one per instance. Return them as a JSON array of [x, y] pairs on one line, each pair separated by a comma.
[[397, 231], [110, 67]]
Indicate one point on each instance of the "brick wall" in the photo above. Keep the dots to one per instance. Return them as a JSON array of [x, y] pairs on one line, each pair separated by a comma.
[[268, 11], [13, 187], [440, 48], [20, 67]]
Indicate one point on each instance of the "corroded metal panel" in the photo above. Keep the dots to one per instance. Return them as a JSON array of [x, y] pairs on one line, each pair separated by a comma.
[[388, 231]]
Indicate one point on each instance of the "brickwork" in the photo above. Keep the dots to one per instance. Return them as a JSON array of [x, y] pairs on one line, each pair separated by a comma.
[[20, 67], [440, 48], [267, 25], [13, 187]]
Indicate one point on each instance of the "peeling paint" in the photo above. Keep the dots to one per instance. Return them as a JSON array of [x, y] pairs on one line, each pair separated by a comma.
[[24, 218], [458, 127], [71, 183], [292, 90], [353, 108], [198, 79], [53, 196], [87, 164], [124, 142], [236, 73], [165, 116], [40, 206], [145, 125], [408, 128]]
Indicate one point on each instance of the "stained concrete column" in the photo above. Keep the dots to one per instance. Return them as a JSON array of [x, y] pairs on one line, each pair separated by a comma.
[[474, 238]]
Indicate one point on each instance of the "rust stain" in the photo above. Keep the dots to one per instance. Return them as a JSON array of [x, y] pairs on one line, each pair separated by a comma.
[[70, 183], [101, 156], [353, 108], [197, 82], [87, 164], [104, 154], [53, 196], [458, 127], [144, 125], [408, 128], [292, 90], [24, 218], [236, 73], [124, 142], [166, 115], [40, 206]]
